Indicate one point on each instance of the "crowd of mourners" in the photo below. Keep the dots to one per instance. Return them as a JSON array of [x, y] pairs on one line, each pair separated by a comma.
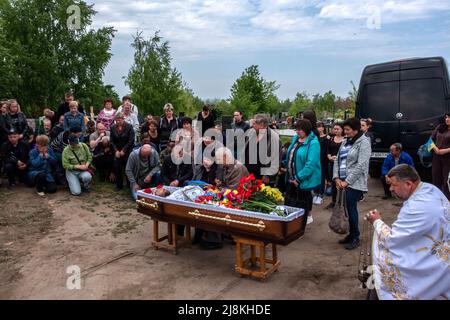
[[67, 148]]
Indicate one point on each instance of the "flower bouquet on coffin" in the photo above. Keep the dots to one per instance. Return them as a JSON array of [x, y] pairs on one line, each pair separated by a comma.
[[251, 195]]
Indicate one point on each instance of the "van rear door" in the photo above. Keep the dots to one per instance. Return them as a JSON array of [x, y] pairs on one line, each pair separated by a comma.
[[422, 102], [380, 98]]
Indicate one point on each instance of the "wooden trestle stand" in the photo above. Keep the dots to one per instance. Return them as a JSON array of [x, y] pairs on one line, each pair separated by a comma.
[[247, 266], [174, 241]]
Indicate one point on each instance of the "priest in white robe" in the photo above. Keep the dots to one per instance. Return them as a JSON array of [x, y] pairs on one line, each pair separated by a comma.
[[411, 258]]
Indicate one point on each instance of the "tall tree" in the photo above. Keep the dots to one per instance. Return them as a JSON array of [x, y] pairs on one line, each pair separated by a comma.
[[51, 54], [251, 93], [152, 79]]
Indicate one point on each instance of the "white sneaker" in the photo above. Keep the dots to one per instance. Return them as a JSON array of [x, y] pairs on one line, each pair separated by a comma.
[[41, 194], [319, 200], [310, 220]]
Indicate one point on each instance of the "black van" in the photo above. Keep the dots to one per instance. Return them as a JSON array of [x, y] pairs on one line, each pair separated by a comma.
[[406, 100]]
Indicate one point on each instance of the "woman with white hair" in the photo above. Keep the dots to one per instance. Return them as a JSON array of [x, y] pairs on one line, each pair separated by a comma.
[[233, 171], [168, 124]]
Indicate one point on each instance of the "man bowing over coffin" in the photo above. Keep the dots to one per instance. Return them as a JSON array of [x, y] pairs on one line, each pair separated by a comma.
[[411, 258]]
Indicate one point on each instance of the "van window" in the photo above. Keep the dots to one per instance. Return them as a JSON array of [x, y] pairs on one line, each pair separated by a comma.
[[422, 99], [380, 101]]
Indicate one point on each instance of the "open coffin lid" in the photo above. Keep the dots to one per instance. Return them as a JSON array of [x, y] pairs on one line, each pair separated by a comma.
[[253, 225]]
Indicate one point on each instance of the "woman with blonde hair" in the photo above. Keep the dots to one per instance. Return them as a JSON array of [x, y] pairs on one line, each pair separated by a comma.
[[167, 125], [74, 118]]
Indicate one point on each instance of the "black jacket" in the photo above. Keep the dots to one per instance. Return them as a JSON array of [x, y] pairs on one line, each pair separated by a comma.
[[3, 129], [207, 123], [255, 168], [19, 123], [165, 130], [209, 177], [124, 140], [171, 172], [11, 154]]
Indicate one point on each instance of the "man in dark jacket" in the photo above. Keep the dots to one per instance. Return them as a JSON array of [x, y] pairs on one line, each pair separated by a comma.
[[240, 127], [176, 175], [263, 138], [122, 143], [64, 106], [15, 157]]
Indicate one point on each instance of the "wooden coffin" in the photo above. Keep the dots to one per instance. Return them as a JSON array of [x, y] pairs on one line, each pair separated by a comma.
[[252, 225]]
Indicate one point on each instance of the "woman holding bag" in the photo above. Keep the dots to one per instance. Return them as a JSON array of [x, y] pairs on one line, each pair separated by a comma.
[[303, 168], [350, 172]]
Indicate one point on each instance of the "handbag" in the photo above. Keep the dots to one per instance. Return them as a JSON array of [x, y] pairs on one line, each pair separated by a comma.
[[91, 169], [425, 152], [339, 217]]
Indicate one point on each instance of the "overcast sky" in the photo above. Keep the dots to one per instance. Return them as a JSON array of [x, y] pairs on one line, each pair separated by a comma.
[[304, 45]]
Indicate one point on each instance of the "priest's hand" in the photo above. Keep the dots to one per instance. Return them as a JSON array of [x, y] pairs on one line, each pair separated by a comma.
[[373, 216]]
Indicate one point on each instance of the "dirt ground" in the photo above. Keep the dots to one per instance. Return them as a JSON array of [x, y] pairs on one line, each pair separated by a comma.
[[41, 237]]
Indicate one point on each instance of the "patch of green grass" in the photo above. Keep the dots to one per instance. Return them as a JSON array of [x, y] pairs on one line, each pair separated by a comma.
[[124, 227], [285, 139]]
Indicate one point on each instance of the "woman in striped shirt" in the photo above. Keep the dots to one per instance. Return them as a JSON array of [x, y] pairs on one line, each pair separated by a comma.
[[350, 172]]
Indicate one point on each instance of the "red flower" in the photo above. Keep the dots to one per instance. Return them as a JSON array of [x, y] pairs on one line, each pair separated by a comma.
[[148, 190], [160, 186]]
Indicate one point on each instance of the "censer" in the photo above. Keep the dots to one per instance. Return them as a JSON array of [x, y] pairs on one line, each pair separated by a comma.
[[365, 255]]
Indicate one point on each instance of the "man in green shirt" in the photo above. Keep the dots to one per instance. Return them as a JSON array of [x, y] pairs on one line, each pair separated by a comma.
[[76, 159]]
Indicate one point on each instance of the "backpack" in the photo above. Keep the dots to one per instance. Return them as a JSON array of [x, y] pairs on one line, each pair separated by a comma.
[[339, 218]]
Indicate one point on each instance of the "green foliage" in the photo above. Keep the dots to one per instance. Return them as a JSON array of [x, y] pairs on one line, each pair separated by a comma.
[[46, 58], [222, 107], [301, 103], [252, 94], [152, 80], [189, 103], [324, 104], [353, 94]]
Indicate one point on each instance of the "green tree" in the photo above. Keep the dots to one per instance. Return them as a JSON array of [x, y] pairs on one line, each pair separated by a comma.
[[189, 103], [152, 80], [49, 57], [353, 94], [251, 93], [324, 104], [9, 82], [301, 103]]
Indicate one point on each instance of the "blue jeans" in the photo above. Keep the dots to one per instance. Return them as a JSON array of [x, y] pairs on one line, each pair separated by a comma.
[[351, 199], [78, 179]]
